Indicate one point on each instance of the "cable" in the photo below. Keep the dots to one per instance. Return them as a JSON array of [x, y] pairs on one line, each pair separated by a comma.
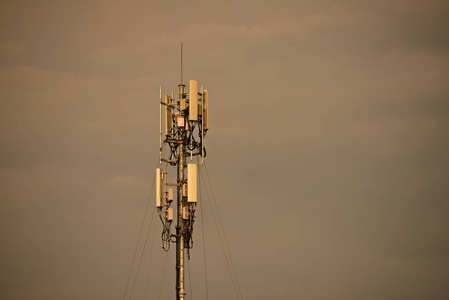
[[221, 241], [163, 275], [151, 259], [140, 234], [144, 246], [204, 241], [190, 279], [222, 228], [141, 256]]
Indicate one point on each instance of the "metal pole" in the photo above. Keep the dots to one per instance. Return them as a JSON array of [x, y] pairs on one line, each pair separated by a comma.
[[160, 125], [180, 291], [202, 125]]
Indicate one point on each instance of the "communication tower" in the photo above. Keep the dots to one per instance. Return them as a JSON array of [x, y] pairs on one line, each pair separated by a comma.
[[185, 121]]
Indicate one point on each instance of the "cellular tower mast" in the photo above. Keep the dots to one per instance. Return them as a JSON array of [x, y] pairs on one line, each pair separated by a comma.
[[186, 121]]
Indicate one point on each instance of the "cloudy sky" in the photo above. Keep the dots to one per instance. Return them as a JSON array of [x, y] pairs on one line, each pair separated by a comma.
[[328, 148]]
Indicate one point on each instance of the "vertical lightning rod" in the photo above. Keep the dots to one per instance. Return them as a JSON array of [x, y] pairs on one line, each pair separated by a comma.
[[160, 124], [181, 63]]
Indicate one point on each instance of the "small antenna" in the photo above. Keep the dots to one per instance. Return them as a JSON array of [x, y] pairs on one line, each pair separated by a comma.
[[181, 63]]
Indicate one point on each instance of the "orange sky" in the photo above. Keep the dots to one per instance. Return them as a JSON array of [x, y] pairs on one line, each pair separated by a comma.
[[328, 147]]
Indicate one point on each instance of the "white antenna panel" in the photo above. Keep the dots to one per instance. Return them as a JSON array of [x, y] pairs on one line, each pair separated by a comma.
[[169, 215], [170, 195], [185, 213], [192, 181], [184, 190], [193, 101], [168, 119], [180, 121], [206, 109], [158, 187]]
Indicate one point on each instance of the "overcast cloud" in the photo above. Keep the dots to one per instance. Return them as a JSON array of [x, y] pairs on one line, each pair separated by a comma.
[[328, 147]]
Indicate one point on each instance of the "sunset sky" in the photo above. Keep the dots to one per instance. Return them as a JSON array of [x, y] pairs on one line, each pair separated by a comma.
[[328, 149]]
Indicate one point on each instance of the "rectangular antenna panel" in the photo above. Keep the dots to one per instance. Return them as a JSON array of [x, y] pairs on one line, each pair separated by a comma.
[[206, 109], [169, 214], [193, 101], [170, 195], [180, 121], [185, 213], [192, 181], [184, 190], [168, 119], [158, 187]]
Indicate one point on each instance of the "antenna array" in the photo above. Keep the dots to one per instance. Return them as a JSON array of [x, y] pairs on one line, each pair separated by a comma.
[[186, 121]]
